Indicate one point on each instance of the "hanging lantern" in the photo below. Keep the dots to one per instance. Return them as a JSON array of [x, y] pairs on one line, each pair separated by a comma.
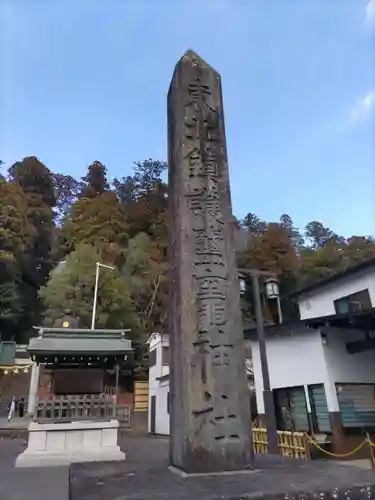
[[242, 282], [272, 288], [6, 372], [26, 370], [16, 370]]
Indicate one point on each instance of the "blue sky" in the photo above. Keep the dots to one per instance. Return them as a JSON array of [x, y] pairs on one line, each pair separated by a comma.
[[86, 80]]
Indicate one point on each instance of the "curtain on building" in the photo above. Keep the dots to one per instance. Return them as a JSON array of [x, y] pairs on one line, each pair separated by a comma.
[[291, 409], [319, 408], [357, 405]]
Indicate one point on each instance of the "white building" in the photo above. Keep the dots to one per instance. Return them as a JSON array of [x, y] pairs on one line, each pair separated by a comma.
[[158, 404], [158, 415], [350, 291], [322, 368]]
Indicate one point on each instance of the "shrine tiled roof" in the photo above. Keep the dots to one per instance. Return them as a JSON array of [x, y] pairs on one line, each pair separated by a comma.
[[79, 341]]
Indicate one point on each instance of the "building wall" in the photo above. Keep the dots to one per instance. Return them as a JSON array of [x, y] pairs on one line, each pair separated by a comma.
[[158, 387], [46, 385], [293, 360], [157, 342], [320, 302], [78, 381], [344, 367], [305, 358], [162, 415]]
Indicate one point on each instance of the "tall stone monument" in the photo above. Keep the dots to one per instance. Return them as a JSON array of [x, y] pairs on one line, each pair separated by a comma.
[[210, 404]]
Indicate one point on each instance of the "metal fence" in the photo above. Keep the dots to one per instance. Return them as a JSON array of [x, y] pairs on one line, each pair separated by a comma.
[[291, 444], [67, 408]]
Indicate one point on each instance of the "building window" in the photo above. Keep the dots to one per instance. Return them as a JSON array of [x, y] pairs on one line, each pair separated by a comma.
[[357, 406], [319, 409], [152, 358], [291, 410], [165, 356], [359, 301]]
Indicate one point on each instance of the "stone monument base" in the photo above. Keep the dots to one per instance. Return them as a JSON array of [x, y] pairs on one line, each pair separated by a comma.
[[55, 444], [186, 475]]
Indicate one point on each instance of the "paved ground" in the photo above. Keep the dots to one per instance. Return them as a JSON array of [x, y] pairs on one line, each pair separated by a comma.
[[29, 484], [15, 423], [363, 463], [145, 476]]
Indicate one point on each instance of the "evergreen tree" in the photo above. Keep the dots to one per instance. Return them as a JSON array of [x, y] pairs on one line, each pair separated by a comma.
[[144, 196], [99, 221], [16, 238], [35, 181], [95, 181]]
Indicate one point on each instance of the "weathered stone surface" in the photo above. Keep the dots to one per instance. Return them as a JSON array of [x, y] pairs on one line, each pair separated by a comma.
[[210, 408]]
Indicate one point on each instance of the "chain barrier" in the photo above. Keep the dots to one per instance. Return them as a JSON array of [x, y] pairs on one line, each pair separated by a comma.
[[340, 455]]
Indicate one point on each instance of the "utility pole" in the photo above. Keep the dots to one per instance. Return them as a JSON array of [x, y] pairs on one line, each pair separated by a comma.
[[98, 266], [273, 292], [269, 405]]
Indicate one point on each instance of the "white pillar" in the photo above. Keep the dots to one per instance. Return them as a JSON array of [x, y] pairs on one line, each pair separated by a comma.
[[331, 396], [307, 398], [33, 390]]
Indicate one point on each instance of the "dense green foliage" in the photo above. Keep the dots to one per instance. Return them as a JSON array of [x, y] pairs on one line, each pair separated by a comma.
[[71, 287], [47, 217]]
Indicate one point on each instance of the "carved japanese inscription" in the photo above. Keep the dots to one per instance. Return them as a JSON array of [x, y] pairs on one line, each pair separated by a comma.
[[201, 187], [209, 387]]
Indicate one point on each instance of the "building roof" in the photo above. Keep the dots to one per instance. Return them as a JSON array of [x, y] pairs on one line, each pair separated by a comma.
[[362, 266], [153, 336], [363, 320], [79, 341]]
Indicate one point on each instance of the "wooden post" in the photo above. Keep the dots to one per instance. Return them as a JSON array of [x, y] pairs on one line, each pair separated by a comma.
[[371, 451], [117, 382]]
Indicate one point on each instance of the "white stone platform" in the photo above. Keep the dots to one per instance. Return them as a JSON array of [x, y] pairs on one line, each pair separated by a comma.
[[55, 444]]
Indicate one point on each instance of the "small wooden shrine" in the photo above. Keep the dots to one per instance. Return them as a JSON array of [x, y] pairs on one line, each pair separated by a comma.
[[84, 370], [76, 418]]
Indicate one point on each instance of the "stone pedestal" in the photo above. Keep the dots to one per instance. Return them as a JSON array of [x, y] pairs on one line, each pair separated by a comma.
[[65, 443]]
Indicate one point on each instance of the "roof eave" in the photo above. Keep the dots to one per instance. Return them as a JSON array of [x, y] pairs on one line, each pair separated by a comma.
[[362, 266]]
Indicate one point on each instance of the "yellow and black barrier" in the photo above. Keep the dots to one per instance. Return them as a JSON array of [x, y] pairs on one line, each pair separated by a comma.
[[336, 455], [291, 444], [298, 444], [366, 441]]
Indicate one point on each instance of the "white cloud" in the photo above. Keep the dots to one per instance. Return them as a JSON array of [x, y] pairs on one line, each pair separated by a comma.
[[370, 14], [363, 108]]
